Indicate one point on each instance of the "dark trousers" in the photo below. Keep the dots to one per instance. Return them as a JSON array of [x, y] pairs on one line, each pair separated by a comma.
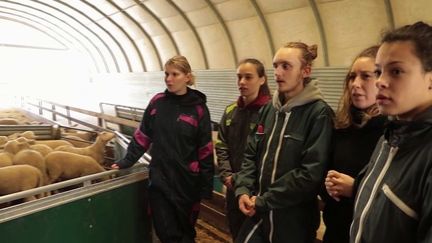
[[234, 215], [174, 222]]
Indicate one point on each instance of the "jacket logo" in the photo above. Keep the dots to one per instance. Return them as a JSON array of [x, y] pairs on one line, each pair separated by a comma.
[[260, 129]]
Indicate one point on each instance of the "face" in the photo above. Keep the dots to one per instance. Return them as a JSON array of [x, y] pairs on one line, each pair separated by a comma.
[[404, 87], [288, 71], [361, 83], [176, 81], [248, 81]]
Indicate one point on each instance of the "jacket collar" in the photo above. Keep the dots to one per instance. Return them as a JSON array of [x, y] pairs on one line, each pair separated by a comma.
[[310, 93], [400, 132]]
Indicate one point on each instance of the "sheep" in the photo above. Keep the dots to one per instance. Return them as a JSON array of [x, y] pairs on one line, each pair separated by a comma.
[[42, 148], [88, 136], [13, 146], [64, 166], [77, 141], [33, 158], [16, 178], [5, 159], [25, 140], [9, 121], [96, 150], [53, 143], [3, 140], [27, 134]]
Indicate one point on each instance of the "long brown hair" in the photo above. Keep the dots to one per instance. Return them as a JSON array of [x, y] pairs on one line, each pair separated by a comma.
[[260, 69], [344, 117]]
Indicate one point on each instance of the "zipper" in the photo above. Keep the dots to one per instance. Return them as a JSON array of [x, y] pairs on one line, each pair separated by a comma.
[[392, 153]]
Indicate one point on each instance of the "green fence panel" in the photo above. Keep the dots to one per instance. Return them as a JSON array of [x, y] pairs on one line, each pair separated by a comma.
[[115, 216]]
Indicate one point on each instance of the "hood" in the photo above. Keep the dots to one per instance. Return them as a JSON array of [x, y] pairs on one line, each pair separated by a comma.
[[310, 93], [260, 100], [192, 97]]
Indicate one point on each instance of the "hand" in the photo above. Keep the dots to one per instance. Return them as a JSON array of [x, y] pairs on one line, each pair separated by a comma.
[[115, 166], [228, 182], [246, 205], [339, 184]]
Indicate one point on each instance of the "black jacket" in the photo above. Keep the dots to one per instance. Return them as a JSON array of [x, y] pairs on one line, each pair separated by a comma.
[[351, 149], [394, 198], [237, 122], [178, 128]]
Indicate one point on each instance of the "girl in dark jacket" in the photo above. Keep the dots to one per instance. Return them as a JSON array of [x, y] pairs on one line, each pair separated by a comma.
[[237, 121], [358, 126], [177, 125], [393, 200]]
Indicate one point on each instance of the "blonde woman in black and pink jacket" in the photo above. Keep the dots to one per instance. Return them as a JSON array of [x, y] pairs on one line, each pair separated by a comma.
[[176, 124]]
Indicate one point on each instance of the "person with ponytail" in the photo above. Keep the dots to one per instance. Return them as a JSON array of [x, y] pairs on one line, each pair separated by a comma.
[[237, 121], [286, 155]]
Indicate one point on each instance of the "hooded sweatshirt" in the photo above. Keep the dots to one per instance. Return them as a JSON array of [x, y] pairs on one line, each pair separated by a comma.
[[178, 129], [285, 162]]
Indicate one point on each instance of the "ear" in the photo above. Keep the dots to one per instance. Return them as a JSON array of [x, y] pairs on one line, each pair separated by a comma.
[[189, 76], [262, 80], [307, 71], [429, 79]]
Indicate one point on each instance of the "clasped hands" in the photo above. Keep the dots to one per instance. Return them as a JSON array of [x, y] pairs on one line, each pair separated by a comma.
[[339, 185], [247, 205]]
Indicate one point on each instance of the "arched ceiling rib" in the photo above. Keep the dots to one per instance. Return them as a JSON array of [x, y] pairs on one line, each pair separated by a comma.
[[321, 31], [33, 27], [194, 31], [93, 33], [139, 35], [389, 12], [225, 29], [124, 12], [50, 29], [162, 25], [132, 42], [265, 25]]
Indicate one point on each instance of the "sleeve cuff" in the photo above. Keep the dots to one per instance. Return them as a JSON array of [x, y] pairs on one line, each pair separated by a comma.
[[260, 204]]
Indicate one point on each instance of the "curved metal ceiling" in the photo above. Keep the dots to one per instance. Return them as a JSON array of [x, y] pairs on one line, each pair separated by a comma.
[[121, 36]]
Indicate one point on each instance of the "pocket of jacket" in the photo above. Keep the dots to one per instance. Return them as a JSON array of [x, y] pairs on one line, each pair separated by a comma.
[[293, 136], [398, 202]]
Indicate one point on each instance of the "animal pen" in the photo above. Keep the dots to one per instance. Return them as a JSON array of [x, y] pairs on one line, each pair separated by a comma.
[[83, 209]]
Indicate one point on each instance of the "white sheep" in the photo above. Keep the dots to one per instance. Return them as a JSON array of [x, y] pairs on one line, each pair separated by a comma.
[[5, 159], [96, 150], [76, 141], [41, 148], [33, 158], [3, 140], [53, 143], [27, 134], [87, 136], [64, 166], [9, 121], [13, 146], [16, 178]]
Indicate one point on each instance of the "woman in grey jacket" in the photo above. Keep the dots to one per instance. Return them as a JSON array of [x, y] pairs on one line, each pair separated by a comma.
[[286, 155], [394, 198]]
